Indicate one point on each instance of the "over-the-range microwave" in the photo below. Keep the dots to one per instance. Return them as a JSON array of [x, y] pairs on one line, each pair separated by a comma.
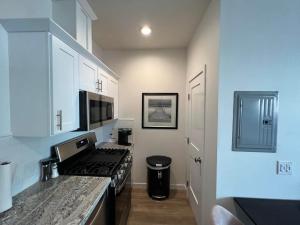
[[95, 110]]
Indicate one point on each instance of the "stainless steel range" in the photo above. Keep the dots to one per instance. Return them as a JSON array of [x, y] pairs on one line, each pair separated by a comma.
[[81, 157]]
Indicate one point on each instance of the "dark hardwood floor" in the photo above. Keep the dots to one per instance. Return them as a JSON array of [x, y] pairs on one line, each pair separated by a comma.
[[173, 211]]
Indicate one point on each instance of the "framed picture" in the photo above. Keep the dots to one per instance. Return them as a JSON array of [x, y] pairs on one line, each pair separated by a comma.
[[160, 110]]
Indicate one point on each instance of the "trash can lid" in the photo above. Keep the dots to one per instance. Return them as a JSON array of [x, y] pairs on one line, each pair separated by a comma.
[[159, 161]]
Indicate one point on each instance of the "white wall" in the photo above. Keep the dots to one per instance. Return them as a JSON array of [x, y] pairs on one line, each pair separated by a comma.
[[204, 49], [25, 8], [260, 51], [152, 71], [4, 85], [97, 50]]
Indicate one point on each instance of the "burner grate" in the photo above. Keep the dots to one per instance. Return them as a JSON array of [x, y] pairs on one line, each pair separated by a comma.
[[91, 168]]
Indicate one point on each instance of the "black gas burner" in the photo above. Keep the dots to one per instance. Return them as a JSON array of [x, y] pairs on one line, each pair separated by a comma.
[[110, 151], [96, 162], [91, 168]]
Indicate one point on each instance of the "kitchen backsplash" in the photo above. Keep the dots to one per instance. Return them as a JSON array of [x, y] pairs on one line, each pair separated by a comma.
[[25, 153]]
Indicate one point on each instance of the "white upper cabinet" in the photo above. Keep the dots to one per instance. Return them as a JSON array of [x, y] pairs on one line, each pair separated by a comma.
[[88, 75], [47, 69], [93, 78], [103, 79], [113, 91], [75, 17], [83, 28], [44, 86], [65, 95], [97, 80]]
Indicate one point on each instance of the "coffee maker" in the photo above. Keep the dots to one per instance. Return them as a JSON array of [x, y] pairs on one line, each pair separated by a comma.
[[123, 134]]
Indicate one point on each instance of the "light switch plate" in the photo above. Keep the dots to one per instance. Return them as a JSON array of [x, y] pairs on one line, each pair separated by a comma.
[[284, 167]]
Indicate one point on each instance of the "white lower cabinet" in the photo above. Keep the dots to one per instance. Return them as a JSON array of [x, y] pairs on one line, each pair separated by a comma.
[[43, 85]]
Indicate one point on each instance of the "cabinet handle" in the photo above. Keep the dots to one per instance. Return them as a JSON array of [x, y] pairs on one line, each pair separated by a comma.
[[198, 160], [59, 119], [101, 83], [97, 83]]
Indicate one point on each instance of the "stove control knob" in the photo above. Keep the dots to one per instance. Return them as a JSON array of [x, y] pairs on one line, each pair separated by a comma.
[[120, 176], [114, 181], [130, 158]]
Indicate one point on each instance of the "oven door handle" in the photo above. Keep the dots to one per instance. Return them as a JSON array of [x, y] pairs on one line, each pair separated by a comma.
[[119, 189]]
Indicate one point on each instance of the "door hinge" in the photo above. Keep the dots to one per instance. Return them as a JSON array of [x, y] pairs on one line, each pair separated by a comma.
[[189, 97], [187, 183], [188, 140]]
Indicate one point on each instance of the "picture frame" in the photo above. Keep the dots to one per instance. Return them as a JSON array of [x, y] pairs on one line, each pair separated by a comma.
[[160, 110]]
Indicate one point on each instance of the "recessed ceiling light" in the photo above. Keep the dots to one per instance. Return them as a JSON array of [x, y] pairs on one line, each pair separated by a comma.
[[146, 30]]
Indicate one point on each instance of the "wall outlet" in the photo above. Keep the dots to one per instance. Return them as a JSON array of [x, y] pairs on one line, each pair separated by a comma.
[[284, 167]]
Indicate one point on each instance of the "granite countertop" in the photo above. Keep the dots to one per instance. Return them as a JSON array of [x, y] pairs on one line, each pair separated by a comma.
[[60, 201]]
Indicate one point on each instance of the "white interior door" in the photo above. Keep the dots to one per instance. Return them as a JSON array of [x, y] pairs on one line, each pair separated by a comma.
[[196, 129]]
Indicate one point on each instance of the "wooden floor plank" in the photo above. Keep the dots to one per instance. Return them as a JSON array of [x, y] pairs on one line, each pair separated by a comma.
[[173, 211]]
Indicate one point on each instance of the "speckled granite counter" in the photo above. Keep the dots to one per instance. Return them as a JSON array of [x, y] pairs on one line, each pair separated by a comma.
[[65, 200]]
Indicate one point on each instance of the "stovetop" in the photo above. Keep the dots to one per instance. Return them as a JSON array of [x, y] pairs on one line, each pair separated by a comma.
[[97, 162]]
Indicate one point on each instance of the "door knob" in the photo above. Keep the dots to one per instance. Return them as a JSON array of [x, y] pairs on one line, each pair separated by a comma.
[[198, 160]]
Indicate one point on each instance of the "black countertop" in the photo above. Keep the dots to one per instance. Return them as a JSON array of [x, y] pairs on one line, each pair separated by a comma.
[[271, 211]]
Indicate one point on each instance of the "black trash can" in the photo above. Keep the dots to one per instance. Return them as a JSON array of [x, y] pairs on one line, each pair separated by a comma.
[[159, 176]]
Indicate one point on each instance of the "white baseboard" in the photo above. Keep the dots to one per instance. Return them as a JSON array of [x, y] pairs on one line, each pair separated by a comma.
[[172, 186]]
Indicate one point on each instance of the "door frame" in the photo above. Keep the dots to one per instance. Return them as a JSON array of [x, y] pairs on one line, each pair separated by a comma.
[[203, 72]]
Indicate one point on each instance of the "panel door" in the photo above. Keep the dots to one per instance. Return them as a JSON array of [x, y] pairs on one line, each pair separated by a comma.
[[65, 88], [196, 129], [113, 91], [81, 26], [88, 75]]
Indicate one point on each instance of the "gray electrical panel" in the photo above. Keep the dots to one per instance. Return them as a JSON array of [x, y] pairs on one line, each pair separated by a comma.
[[255, 121]]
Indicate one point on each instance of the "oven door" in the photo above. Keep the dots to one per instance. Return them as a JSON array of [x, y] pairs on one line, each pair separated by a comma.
[[123, 201]]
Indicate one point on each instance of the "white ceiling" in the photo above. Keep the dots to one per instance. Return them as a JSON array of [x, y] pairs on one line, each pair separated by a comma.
[[173, 22]]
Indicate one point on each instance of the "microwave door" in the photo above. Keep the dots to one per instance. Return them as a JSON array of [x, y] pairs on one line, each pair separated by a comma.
[[94, 111], [103, 111]]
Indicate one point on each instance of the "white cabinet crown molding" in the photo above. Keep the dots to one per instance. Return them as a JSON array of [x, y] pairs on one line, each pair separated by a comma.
[[88, 9], [48, 25]]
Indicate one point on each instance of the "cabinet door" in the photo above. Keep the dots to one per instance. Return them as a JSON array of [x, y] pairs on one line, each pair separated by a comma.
[[87, 75], [65, 89], [116, 98], [81, 26], [113, 91], [103, 81]]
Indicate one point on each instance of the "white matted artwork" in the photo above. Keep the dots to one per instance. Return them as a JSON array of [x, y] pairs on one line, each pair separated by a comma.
[[160, 110]]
